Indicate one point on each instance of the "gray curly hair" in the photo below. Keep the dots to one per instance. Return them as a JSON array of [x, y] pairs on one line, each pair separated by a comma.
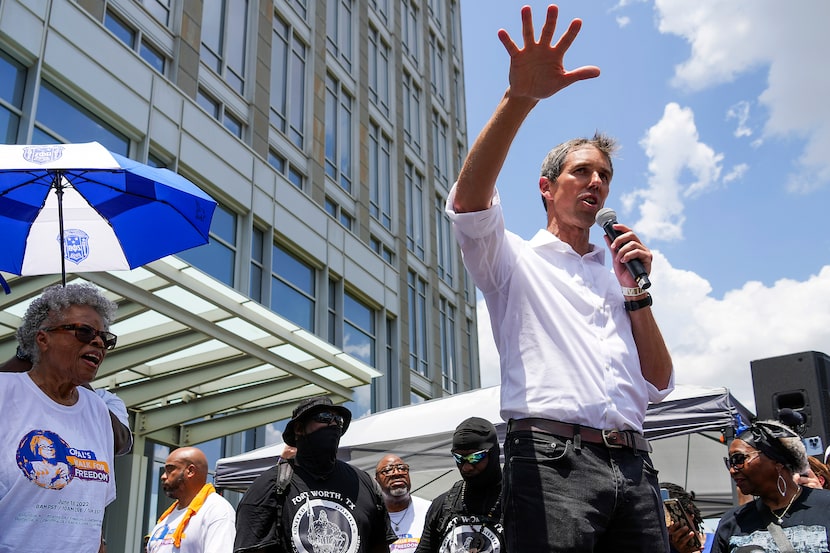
[[552, 165], [49, 308]]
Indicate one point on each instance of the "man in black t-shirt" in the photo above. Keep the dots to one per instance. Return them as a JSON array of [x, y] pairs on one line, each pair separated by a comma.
[[313, 502], [468, 516]]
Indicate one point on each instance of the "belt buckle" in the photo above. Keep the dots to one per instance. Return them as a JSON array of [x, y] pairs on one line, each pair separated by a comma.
[[615, 438]]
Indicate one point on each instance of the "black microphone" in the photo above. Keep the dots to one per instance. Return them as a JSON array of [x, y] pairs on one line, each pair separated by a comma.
[[607, 218]]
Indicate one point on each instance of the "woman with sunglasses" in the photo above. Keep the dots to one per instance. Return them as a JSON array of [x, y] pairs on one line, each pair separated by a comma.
[[784, 516], [51, 422]]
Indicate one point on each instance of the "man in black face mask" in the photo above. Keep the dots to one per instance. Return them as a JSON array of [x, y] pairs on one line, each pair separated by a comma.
[[313, 502], [467, 517]]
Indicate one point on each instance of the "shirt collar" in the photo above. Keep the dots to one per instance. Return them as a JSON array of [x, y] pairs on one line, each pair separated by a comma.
[[546, 239]]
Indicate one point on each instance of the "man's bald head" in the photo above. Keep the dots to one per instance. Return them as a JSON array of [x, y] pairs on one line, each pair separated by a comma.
[[185, 473], [392, 475]]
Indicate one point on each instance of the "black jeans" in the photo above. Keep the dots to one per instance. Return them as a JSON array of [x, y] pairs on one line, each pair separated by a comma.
[[594, 499]]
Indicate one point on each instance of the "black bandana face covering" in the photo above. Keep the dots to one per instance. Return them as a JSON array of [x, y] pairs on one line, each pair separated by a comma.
[[317, 452]]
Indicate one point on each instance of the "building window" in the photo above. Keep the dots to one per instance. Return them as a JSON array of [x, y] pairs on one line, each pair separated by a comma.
[[337, 212], [257, 264], [136, 41], [414, 183], [339, 33], [440, 148], [444, 243], [61, 119], [217, 110], [384, 251], [12, 86], [338, 134], [379, 55], [359, 330], [381, 8], [159, 9], [469, 334], [411, 29], [438, 68], [279, 163], [460, 104], [380, 175], [436, 12], [224, 34], [288, 68], [218, 257], [449, 372], [293, 288], [418, 351], [301, 7], [412, 115]]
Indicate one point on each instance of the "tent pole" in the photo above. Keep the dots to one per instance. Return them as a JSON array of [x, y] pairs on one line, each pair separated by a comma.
[[58, 185]]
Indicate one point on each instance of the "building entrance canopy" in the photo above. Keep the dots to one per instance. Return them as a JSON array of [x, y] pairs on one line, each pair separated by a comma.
[[197, 360]]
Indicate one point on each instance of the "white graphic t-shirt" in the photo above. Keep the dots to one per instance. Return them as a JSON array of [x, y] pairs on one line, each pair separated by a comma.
[[56, 474], [409, 526], [211, 530]]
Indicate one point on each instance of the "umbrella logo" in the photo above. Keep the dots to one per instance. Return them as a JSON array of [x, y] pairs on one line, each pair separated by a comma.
[[42, 154], [76, 245]]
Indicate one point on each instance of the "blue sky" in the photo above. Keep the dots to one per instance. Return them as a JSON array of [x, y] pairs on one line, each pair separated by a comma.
[[722, 108]]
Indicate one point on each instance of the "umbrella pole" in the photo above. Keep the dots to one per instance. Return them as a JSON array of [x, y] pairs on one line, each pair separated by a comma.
[[58, 177]]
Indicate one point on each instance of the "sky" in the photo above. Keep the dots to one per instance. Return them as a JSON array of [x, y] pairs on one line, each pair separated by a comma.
[[722, 109]]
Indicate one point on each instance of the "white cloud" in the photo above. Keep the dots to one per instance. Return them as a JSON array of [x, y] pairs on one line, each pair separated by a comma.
[[729, 38], [712, 340], [623, 21], [674, 151], [740, 111]]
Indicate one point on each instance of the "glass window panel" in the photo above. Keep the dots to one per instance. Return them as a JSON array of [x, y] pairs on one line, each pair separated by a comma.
[[295, 177], [75, 123], [152, 56], [214, 258], [279, 73], [299, 274], [297, 100], [288, 303], [120, 29], [12, 80]]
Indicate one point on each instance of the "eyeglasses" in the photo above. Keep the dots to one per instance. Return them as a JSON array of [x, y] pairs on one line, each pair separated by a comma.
[[738, 460], [327, 417], [389, 469], [472, 458], [86, 334]]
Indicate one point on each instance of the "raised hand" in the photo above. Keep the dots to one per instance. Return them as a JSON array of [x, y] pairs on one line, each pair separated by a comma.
[[537, 70]]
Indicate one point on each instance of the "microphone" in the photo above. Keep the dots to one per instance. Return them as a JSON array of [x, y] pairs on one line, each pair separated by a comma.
[[607, 218]]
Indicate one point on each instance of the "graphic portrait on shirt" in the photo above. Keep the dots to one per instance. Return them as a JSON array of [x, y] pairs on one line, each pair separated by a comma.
[[470, 538], [42, 456], [48, 461], [323, 526]]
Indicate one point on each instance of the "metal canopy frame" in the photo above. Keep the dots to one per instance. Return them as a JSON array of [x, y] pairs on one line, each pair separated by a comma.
[[197, 360]]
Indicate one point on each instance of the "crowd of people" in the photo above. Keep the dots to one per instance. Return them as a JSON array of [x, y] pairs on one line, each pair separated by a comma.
[[581, 357]]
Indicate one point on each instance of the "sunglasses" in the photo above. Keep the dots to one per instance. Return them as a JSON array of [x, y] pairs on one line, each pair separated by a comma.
[[386, 471], [86, 334], [327, 417], [738, 460], [472, 458]]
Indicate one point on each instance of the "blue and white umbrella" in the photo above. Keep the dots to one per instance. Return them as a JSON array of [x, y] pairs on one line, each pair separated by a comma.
[[81, 208]]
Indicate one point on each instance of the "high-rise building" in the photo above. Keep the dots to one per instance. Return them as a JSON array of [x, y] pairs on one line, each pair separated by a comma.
[[329, 132]]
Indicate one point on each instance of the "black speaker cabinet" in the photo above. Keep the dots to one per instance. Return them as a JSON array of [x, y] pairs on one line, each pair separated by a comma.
[[801, 382]]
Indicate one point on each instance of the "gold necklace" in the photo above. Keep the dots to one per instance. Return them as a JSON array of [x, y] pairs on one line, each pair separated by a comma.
[[787, 508]]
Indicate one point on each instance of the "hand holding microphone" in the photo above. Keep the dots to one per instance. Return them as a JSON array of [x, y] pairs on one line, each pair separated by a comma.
[[607, 218]]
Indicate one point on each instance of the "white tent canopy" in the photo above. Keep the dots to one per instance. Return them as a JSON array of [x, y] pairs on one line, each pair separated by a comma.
[[421, 434]]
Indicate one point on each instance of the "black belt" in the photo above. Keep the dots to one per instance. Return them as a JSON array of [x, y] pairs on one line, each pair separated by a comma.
[[609, 438]]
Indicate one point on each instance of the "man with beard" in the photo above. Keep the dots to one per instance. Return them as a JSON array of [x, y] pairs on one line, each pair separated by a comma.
[[406, 512], [313, 502], [201, 520], [467, 517]]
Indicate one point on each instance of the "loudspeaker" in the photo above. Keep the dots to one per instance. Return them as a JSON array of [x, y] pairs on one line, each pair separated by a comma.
[[801, 382]]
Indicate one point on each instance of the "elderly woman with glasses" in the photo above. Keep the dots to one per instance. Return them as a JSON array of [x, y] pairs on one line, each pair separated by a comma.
[[56, 439], [784, 516]]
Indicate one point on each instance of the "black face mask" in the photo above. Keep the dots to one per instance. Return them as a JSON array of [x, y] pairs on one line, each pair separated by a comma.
[[317, 452]]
